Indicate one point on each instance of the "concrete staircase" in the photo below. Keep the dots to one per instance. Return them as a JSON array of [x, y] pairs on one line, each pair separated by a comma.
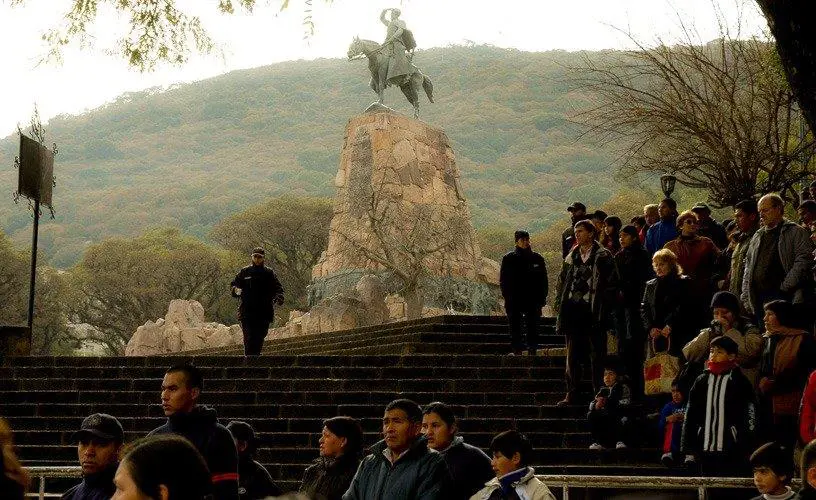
[[286, 393]]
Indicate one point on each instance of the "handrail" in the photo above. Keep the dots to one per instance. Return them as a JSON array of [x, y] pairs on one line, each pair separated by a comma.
[[565, 482]]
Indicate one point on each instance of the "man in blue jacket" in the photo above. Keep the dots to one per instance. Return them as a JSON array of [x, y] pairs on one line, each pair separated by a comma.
[[665, 229], [401, 467]]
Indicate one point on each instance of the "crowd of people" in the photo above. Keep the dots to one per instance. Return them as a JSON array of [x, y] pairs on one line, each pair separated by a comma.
[[726, 309]]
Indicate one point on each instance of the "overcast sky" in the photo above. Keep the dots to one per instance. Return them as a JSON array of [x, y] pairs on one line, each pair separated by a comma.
[[88, 78]]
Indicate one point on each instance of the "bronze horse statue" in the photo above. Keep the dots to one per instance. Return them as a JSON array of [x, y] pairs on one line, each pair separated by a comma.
[[378, 65]]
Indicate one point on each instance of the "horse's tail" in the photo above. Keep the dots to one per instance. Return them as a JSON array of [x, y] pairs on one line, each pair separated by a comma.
[[428, 86]]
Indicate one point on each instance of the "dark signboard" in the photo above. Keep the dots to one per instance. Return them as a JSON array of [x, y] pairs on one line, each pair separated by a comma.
[[36, 176]]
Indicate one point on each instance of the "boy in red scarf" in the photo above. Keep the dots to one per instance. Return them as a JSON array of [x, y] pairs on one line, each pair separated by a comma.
[[720, 419]]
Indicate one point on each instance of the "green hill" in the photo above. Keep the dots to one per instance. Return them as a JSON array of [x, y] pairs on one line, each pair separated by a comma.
[[195, 153]]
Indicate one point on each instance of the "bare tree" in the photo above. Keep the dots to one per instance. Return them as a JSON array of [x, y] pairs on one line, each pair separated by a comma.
[[413, 241], [719, 115]]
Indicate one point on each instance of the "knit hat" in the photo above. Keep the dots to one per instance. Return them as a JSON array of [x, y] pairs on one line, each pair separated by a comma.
[[726, 300], [727, 344]]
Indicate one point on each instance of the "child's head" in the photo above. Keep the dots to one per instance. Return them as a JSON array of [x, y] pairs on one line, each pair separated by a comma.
[[722, 349], [511, 451], [678, 392], [773, 468], [611, 372], [808, 470]]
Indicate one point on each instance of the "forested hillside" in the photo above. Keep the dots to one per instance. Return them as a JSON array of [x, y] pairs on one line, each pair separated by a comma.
[[193, 154]]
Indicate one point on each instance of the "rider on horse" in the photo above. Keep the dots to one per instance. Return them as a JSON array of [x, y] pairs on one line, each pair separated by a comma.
[[394, 47]]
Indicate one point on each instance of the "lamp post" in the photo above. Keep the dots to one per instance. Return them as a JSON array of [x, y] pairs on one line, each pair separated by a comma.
[[667, 183]]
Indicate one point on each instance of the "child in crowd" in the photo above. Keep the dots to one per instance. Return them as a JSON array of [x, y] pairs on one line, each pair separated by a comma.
[[671, 425], [720, 420], [515, 479], [773, 470], [607, 418]]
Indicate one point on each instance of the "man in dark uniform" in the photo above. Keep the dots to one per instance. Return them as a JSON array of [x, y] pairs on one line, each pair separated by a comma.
[[259, 290], [99, 441], [524, 286]]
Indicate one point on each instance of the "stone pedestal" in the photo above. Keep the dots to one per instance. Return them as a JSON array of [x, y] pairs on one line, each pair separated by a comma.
[[400, 213]]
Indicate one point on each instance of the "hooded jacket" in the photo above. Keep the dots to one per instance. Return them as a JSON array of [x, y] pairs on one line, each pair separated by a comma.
[[721, 414], [796, 255], [528, 487], [97, 486], [213, 441], [328, 479], [469, 468], [419, 474]]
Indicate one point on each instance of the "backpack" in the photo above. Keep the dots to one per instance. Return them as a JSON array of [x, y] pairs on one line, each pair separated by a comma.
[[408, 39]]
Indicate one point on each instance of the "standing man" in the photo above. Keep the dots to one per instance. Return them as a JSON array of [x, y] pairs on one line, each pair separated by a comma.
[[807, 213], [180, 391], [524, 286], [401, 467], [778, 261], [259, 290], [709, 227], [586, 289], [99, 441], [577, 212], [746, 217], [664, 230]]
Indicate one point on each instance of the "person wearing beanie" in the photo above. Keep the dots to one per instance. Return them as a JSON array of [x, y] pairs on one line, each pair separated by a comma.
[[634, 270], [773, 470], [254, 481], [524, 286], [341, 444], [727, 321], [720, 422], [788, 358]]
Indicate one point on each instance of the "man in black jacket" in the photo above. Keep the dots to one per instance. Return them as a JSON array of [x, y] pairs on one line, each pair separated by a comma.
[[401, 467], [524, 286], [254, 481], [259, 290], [469, 467], [99, 442], [181, 389]]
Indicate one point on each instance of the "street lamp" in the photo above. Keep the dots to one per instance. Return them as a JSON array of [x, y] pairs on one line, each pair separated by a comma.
[[667, 183]]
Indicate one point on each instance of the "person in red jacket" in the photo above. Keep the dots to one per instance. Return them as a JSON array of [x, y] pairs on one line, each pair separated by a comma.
[[807, 412]]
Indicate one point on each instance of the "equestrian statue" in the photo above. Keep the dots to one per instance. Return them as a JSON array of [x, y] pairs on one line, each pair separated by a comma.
[[390, 63]]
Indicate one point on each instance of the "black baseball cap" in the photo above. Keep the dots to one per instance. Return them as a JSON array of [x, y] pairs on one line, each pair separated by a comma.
[[259, 251], [102, 426], [576, 205]]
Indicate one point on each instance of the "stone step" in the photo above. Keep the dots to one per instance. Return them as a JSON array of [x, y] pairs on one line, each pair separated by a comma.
[[220, 361], [283, 397], [288, 372], [294, 411], [308, 424], [540, 455]]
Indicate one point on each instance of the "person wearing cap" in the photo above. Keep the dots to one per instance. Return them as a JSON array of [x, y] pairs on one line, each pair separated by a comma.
[[720, 424], [664, 230], [709, 227], [341, 449], [727, 321], [524, 286], [258, 290], [99, 442], [254, 481], [180, 392], [577, 212]]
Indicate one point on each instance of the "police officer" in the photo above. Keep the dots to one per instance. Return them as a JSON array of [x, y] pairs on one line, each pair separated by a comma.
[[258, 290]]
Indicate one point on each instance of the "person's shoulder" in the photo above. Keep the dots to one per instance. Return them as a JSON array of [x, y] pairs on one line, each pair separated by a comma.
[[69, 494], [162, 429]]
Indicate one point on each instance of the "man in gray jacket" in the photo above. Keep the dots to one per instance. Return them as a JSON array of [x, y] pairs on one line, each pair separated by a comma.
[[778, 261], [401, 467]]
